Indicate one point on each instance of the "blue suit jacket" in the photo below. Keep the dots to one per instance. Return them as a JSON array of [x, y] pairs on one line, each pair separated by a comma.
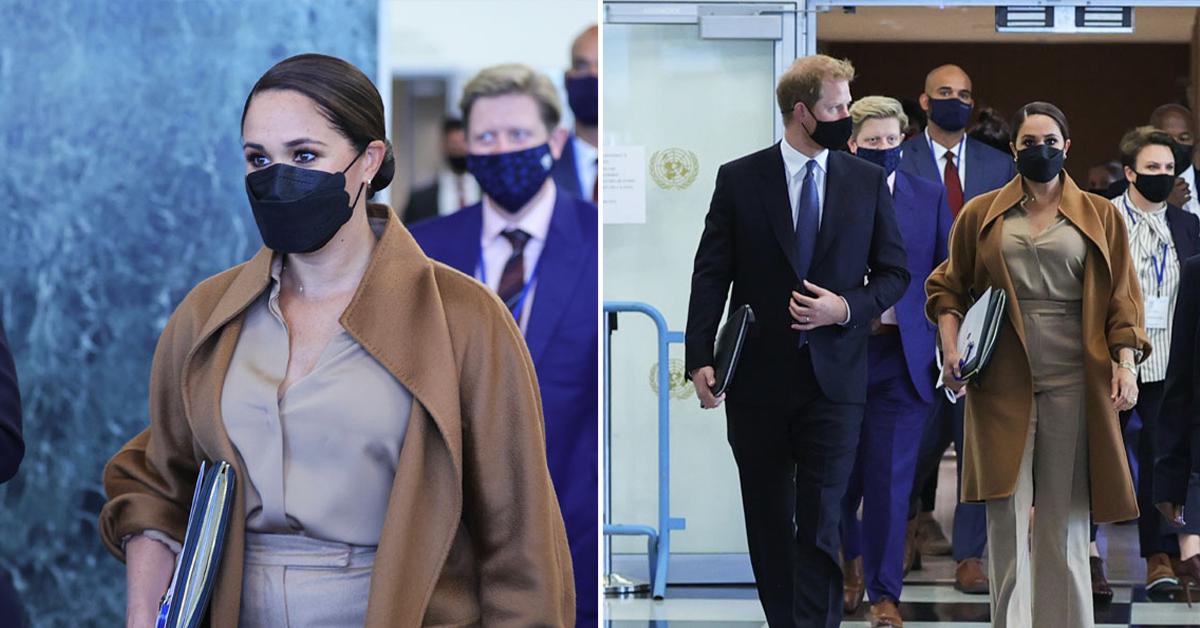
[[562, 336], [987, 168], [565, 176], [924, 219]]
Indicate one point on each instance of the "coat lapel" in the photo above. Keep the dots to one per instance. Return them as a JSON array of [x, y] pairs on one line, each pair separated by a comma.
[[465, 259], [777, 204], [1183, 244], [832, 213], [922, 158], [559, 267]]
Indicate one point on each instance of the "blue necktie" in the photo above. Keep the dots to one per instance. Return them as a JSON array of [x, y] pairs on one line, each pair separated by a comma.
[[808, 220]]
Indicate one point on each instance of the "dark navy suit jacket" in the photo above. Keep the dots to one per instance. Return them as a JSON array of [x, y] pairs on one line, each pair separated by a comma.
[[748, 241], [12, 445], [987, 168], [565, 176], [562, 336], [924, 219]]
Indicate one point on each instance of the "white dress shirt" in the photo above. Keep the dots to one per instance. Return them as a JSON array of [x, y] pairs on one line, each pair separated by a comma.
[[796, 163], [889, 315], [497, 249], [960, 152], [1189, 177], [451, 186], [586, 166]]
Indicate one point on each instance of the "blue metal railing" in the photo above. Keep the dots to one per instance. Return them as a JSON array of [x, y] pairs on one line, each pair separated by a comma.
[[658, 546]]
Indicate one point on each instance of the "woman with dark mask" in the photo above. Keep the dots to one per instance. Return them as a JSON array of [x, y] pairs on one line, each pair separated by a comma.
[[1161, 237], [379, 409], [1064, 364]]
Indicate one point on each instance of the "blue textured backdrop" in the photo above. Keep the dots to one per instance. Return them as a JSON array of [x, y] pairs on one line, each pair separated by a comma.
[[121, 189]]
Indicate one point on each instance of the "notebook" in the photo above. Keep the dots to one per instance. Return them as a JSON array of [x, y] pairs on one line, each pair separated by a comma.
[[977, 336], [186, 601], [730, 341]]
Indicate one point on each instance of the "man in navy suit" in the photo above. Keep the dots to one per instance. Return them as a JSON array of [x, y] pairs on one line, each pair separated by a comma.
[[576, 172], [537, 248], [794, 229], [900, 385], [966, 168], [12, 450]]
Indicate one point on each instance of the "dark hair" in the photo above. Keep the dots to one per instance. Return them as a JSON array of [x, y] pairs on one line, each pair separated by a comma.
[[916, 116], [1134, 141], [991, 129], [344, 95], [1043, 109], [451, 124]]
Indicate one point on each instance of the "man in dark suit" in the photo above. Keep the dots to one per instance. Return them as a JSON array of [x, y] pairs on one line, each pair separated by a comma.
[[900, 388], [966, 168], [453, 189], [795, 228], [537, 247], [577, 171], [12, 450]]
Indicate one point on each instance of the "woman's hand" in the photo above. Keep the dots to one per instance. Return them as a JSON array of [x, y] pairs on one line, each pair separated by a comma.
[[952, 372], [1173, 513], [1124, 389]]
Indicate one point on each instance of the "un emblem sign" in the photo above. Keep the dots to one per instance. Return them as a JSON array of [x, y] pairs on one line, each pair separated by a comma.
[[678, 385], [674, 168]]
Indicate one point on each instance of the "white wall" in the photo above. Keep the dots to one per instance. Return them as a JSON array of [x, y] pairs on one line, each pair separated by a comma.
[[459, 37]]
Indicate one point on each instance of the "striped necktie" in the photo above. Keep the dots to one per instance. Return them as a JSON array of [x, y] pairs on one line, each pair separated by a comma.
[[512, 281]]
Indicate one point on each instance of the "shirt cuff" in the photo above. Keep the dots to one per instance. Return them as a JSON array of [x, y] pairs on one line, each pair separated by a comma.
[[847, 321], [156, 535]]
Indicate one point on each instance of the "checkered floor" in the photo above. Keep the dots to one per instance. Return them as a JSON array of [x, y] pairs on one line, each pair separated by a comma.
[[924, 605]]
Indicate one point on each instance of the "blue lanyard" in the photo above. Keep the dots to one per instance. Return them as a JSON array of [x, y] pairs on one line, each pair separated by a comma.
[[520, 304], [1160, 270], [933, 154]]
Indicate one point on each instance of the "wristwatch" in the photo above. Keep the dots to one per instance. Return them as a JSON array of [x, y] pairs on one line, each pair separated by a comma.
[[1129, 366]]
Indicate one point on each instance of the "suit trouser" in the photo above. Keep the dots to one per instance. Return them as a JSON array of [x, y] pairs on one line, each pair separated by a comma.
[[794, 460], [1048, 584], [945, 425], [883, 470], [1151, 539], [293, 581]]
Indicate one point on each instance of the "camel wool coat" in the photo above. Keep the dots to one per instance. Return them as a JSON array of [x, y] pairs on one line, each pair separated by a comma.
[[473, 535], [1000, 401]]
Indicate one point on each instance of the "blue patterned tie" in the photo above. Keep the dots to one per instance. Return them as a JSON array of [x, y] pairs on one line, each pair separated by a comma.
[[808, 220]]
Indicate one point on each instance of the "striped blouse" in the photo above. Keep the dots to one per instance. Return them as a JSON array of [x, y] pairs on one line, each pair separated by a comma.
[[1149, 239]]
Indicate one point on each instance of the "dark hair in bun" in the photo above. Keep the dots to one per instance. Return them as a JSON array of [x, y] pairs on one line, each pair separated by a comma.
[[344, 95]]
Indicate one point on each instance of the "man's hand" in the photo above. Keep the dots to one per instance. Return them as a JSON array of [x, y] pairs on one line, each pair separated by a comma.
[[1180, 194], [826, 308], [704, 378]]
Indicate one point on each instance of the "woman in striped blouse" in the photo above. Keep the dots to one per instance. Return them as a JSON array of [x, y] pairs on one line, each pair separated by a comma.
[[1161, 237]]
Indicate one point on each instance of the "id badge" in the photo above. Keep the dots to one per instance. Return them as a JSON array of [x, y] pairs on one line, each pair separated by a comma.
[[1157, 309]]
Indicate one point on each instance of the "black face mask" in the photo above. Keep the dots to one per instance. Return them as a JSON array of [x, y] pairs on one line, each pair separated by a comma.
[[1040, 163], [1154, 187], [1183, 157], [458, 163], [299, 210], [832, 135]]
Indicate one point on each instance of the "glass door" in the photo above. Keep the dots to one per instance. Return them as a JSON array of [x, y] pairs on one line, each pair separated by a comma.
[[687, 87]]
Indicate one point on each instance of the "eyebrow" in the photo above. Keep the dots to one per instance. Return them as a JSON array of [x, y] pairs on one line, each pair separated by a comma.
[[292, 144]]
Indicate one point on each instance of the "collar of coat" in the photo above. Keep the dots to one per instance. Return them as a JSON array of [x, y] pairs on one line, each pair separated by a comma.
[[398, 291], [1076, 206]]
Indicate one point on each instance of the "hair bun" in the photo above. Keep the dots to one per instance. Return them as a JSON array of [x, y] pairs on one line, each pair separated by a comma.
[[387, 170]]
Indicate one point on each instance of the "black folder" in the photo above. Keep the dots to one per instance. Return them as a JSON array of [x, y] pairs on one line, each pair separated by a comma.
[[730, 342]]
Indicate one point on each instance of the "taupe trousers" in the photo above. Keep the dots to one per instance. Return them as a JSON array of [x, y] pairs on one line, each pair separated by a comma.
[[292, 581], [1046, 580]]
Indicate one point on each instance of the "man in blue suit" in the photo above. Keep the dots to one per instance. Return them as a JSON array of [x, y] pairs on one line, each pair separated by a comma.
[[576, 172], [966, 168], [537, 248], [804, 219], [900, 385]]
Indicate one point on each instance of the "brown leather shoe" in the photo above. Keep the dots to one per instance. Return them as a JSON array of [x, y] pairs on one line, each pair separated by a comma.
[[912, 555], [1101, 592], [970, 577], [853, 586], [1160, 577], [1189, 576], [885, 613], [931, 540]]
